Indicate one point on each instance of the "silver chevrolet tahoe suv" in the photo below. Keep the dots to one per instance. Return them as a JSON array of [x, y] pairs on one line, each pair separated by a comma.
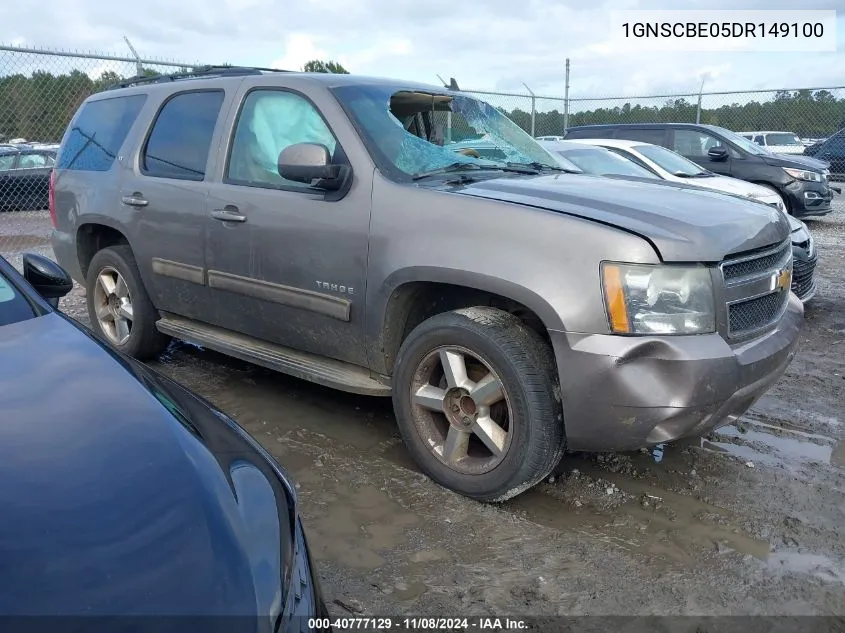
[[342, 230]]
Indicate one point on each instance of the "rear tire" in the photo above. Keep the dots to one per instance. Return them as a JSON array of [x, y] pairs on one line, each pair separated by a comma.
[[477, 402], [118, 304]]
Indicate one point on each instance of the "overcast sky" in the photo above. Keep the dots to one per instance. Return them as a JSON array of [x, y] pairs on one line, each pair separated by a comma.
[[484, 44]]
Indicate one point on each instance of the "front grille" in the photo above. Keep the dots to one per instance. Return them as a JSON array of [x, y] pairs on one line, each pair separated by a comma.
[[755, 299], [755, 314], [751, 265], [802, 276]]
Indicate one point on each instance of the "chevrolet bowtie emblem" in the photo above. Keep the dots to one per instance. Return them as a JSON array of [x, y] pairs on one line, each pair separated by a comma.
[[783, 280]]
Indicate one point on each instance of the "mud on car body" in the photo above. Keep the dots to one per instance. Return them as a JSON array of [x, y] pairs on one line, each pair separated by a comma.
[[324, 226]]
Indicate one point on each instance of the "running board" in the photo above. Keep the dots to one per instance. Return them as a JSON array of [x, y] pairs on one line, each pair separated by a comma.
[[323, 371]]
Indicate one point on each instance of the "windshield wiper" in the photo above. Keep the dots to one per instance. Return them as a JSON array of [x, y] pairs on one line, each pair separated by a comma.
[[538, 166], [683, 174], [455, 167]]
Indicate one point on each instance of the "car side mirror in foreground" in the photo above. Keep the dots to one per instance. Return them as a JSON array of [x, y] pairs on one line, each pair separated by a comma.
[[49, 279], [717, 153], [309, 162]]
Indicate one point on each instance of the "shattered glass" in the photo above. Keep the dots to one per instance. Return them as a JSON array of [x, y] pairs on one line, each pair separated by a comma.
[[455, 123]]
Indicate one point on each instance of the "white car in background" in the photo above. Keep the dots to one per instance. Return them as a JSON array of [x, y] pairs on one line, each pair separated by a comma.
[[663, 164], [669, 165], [776, 142]]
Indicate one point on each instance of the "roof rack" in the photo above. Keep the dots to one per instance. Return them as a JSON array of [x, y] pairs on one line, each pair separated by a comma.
[[201, 71]]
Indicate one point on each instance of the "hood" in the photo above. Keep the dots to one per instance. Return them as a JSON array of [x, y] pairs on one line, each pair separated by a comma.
[[110, 504], [726, 184], [683, 223], [786, 149], [798, 161]]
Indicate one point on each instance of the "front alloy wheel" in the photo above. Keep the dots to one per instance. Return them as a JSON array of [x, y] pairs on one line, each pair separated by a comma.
[[477, 401], [461, 410]]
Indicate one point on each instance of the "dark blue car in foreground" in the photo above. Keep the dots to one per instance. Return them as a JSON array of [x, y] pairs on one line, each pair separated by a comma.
[[123, 494]]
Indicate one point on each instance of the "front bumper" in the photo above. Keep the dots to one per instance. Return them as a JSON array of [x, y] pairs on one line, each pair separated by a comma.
[[807, 199], [626, 393], [804, 260]]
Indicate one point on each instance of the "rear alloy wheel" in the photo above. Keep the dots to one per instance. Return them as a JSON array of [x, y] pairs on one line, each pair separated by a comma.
[[118, 305], [475, 396], [113, 306]]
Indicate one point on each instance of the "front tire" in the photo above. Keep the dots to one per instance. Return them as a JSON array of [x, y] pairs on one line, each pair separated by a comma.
[[477, 402], [119, 307]]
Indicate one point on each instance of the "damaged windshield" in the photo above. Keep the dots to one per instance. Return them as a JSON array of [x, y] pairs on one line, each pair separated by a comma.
[[415, 134]]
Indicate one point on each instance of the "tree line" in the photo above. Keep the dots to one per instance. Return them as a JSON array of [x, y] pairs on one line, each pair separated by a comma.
[[38, 108], [808, 114]]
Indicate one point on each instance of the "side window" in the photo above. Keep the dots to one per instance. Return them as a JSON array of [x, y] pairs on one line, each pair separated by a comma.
[[655, 137], [759, 140], [631, 157], [32, 161], [180, 139], [6, 161], [694, 144], [95, 134], [836, 145], [270, 121]]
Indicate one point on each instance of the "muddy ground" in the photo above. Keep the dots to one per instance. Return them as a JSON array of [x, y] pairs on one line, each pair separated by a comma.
[[750, 520]]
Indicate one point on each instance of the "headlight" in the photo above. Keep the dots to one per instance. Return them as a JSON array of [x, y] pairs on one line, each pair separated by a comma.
[[647, 299], [802, 174]]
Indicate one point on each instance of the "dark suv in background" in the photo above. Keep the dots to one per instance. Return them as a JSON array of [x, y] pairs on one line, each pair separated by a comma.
[[802, 183], [832, 151]]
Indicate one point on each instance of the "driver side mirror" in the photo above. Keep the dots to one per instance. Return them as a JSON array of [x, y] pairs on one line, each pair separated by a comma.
[[717, 153], [307, 162], [49, 279]]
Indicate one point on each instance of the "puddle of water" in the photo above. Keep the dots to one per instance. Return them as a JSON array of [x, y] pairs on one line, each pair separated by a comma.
[[837, 457], [785, 449], [815, 565], [409, 591], [636, 528], [356, 526]]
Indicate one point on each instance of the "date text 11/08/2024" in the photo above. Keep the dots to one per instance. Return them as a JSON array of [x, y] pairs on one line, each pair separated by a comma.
[[418, 624]]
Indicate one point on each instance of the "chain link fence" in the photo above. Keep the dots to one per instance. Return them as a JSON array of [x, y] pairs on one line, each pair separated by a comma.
[[40, 91], [810, 113]]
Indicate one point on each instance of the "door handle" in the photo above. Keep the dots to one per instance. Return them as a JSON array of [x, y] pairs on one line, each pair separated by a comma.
[[229, 213], [135, 200]]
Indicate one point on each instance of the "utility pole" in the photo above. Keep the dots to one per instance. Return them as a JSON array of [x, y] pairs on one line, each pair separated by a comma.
[[139, 66], [448, 136], [566, 100], [533, 107], [698, 109]]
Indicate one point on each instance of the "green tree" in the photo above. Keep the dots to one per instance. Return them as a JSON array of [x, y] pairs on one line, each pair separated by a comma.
[[320, 66]]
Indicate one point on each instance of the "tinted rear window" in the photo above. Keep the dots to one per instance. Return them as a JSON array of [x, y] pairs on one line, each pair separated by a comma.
[[93, 139], [181, 136]]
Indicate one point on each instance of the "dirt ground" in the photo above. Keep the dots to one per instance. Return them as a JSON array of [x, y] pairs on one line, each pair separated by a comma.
[[749, 520]]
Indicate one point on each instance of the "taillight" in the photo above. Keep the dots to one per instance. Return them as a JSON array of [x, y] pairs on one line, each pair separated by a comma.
[[52, 199]]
